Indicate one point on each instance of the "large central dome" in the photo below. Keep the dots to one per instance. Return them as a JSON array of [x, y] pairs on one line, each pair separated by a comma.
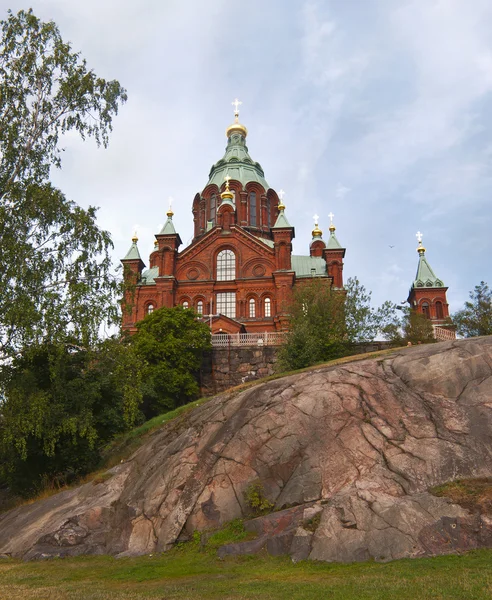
[[237, 163]]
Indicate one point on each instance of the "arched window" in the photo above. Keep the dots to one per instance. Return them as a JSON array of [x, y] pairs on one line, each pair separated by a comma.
[[252, 209], [150, 309], [199, 307], [252, 308], [226, 265], [186, 304], [213, 208], [439, 311], [268, 307], [425, 310], [269, 212]]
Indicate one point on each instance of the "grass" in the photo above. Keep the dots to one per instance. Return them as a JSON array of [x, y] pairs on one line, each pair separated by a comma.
[[192, 571], [127, 443], [473, 494]]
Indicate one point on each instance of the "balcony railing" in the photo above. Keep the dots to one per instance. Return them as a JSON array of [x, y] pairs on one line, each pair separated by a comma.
[[225, 340], [443, 334]]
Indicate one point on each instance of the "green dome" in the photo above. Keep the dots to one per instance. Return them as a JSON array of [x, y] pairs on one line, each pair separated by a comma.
[[238, 164]]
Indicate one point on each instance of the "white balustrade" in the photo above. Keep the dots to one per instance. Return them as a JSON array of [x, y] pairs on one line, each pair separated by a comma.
[[443, 334], [225, 340]]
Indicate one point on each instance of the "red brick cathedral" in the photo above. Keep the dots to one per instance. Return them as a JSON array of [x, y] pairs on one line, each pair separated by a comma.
[[239, 269]]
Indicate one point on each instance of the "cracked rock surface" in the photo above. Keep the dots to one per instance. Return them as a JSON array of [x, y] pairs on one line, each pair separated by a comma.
[[346, 453]]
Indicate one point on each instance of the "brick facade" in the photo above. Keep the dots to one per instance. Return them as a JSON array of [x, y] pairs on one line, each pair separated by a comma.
[[248, 288]]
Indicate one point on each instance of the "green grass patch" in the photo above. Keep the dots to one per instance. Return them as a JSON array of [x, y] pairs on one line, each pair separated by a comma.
[[473, 494], [189, 572], [232, 533], [125, 444]]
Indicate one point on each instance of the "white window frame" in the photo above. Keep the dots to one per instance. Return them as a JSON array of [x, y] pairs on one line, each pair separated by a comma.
[[226, 265]]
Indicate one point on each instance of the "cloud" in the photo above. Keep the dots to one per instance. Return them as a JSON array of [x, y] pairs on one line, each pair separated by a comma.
[[377, 111], [341, 191]]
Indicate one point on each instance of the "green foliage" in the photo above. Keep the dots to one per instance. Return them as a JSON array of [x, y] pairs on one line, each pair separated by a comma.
[[325, 323], [230, 533], [55, 264], [473, 494], [61, 403], [407, 326], [256, 500], [476, 316], [170, 343], [313, 523]]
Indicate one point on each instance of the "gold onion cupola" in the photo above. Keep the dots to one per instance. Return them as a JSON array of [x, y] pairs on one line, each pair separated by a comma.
[[227, 195], [317, 233], [236, 127]]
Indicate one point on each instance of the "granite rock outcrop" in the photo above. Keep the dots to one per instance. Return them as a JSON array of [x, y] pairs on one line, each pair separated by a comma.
[[346, 454]]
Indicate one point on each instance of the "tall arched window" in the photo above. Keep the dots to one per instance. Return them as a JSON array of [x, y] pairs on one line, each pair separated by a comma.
[[199, 307], [150, 309], [425, 310], [186, 304], [252, 209], [269, 212], [226, 265], [268, 307], [213, 208], [252, 308], [439, 311]]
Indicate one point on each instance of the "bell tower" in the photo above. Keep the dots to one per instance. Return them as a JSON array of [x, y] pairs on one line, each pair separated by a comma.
[[427, 294]]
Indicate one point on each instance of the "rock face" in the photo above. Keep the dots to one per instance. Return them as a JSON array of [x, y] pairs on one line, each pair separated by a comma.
[[346, 453]]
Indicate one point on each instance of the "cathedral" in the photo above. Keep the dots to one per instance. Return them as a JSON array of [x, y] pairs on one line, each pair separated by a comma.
[[239, 270]]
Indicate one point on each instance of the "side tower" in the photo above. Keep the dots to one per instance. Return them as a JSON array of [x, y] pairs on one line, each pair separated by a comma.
[[427, 294]]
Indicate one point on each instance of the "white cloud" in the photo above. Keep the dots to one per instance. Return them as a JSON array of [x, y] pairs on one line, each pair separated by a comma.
[[377, 111]]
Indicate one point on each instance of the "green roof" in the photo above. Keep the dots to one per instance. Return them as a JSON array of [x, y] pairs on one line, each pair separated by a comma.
[[281, 221], [267, 242], [333, 243], [168, 228], [425, 277], [133, 253], [149, 275], [238, 164], [304, 265]]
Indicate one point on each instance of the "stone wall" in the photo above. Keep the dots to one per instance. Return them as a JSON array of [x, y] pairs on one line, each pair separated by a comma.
[[223, 368]]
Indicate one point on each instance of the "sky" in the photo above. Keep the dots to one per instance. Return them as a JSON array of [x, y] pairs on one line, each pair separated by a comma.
[[376, 110]]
